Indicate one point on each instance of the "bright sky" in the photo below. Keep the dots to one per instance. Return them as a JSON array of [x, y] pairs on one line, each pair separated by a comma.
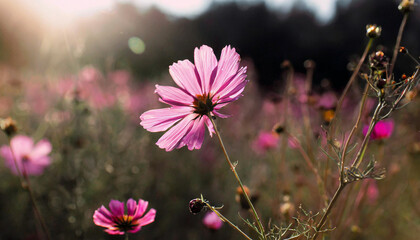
[[65, 11]]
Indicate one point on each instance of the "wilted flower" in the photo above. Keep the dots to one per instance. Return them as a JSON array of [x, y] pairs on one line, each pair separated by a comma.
[[212, 221], [118, 222], [31, 159], [203, 89], [382, 130]]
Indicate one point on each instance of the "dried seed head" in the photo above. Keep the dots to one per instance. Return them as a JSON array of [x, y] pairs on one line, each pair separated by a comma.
[[381, 83], [406, 6], [196, 205], [373, 31], [279, 129], [378, 60], [8, 125]]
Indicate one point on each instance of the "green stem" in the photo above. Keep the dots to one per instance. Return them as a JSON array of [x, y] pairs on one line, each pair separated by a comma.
[[363, 147], [232, 167], [328, 210], [346, 89], [126, 236], [397, 46], [356, 125], [224, 219]]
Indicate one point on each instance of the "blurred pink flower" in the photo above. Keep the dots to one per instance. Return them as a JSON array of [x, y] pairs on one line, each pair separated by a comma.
[[204, 88], [382, 130], [265, 141], [327, 100], [31, 159], [372, 193], [212, 221], [117, 222], [90, 74]]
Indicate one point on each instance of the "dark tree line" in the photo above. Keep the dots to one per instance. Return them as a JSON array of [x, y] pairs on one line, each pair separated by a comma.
[[266, 36]]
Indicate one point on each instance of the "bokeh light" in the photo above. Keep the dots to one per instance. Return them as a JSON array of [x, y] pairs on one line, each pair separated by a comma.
[[136, 45]]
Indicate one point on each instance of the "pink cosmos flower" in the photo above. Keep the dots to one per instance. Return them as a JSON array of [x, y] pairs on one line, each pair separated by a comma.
[[118, 223], [203, 89], [382, 130], [265, 141], [212, 221], [31, 159]]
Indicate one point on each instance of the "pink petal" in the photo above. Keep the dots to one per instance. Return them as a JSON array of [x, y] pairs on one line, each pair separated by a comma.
[[114, 231], [183, 73], [234, 94], [21, 145], [174, 96], [158, 120], [172, 138], [101, 218], [117, 208], [206, 64], [233, 85], [140, 209], [131, 207], [209, 126], [194, 138], [220, 115], [41, 149], [226, 68], [148, 218], [135, 229]]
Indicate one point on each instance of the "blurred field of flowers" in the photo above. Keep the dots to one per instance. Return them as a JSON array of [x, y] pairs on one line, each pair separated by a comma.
[[89, 120]]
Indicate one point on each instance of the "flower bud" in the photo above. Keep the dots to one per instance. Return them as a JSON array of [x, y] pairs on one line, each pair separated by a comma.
[[241, 198], [278, 128], [403, 50], [196, 205], [406, 6], [8, 125], [373, 31]]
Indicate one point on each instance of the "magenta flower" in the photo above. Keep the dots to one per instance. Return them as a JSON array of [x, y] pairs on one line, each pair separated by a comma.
[[265, 141], [118, 223], [30, 159], [203, 89], [212, 221], [382, 130]]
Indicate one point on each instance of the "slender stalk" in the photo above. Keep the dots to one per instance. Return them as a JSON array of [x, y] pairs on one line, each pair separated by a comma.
[[308, 161], [356, 125], [224, 219], [232, 167], [362, 150], [126, 236], [397, 46], [24, 179], [346, 89], [328, 210]]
